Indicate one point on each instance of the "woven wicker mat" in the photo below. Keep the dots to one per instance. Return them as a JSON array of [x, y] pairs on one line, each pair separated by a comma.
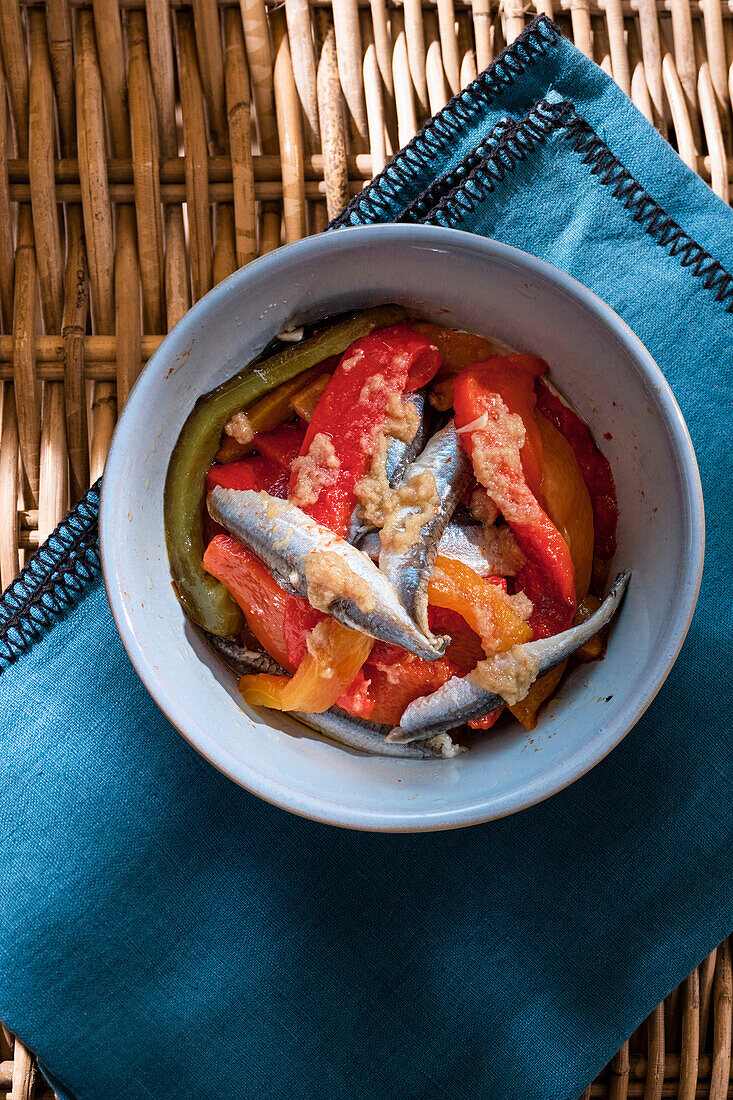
[[148, 148]]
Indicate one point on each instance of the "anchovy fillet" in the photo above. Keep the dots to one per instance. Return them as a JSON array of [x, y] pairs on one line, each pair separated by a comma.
[[466, 543], [358, 734], [283, 537], [462, 698], [398, 458], [241, 660], [401, 454], [409, 569]]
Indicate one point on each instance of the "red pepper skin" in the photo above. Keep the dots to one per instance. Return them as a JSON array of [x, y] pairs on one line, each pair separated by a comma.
[[548, 578], [352, 409], [282, 444], [594, 467], [357, 699], [255, 472], [299, 621], [397, 678], [487, 720], [262, 600], [513, 377]]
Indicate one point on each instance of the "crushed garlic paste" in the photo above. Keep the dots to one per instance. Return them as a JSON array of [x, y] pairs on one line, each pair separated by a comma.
[[373, 492], [321, 644], [420, 495], [239, 428], [314, 471], [329, 578], [509, 674], [498, 464]]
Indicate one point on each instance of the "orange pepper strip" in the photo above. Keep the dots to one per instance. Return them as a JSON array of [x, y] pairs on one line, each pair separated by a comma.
[[458, 350], [526, 710], [548, 577], [485, 608], [483, 605], [569, 507], [568, 501], [334, 658]]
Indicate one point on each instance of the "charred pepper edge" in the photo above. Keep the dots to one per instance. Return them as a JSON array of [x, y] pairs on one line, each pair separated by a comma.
[[205, 600]]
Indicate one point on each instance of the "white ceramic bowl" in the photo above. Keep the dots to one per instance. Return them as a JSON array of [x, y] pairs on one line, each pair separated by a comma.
[[462, 281]]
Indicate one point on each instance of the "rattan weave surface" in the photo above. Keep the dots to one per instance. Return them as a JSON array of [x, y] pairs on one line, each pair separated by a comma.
[[148, 148]]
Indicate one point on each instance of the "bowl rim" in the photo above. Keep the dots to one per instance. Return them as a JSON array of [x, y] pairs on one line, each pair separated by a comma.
[[564, 773]]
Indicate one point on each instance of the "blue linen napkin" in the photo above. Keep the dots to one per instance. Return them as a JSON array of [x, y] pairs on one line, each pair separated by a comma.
[[164, 933]]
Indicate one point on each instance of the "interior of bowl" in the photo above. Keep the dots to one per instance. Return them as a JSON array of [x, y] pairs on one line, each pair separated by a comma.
[[463, 282]]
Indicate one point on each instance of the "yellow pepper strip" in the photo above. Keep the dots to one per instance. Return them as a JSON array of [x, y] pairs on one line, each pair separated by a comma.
[[305, 400], [569, 507], [484, 606], [335, 655], [526, 711], [596, 647], [458, 350], [267, 413], [568, 501]]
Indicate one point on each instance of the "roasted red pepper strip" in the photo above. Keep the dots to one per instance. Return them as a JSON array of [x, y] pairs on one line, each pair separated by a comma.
[[494, 444], [262, 600], [282, 444], [339, 443], [249, 473], [595, 469], [255, 472], [397, 678], [487, 721], [337, 452], [269, 611], [513, 377]]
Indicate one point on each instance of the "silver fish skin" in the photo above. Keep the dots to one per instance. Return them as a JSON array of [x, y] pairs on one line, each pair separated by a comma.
[[461, 698], [367, 737], [409, 570], [241, 660], [399, 456], [334, 723], [283, 536], [462, 542]]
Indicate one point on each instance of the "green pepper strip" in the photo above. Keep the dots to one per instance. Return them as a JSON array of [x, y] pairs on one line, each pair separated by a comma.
[[204, 599]]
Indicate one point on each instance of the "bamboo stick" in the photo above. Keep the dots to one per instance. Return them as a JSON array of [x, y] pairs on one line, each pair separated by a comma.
[[7, 219], [238, 118], [146, 174], [27, 388], [93, 184], [12, 47], [9, 470], [76, 309], [302, 48], [197, 179], [330, 107], [349, 57], [289, 132], [62, 67], [41, 151], [53, 497]]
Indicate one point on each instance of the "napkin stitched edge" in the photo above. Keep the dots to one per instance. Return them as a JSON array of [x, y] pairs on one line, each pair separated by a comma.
[[521, 139], [373, 202], [55, 575]]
